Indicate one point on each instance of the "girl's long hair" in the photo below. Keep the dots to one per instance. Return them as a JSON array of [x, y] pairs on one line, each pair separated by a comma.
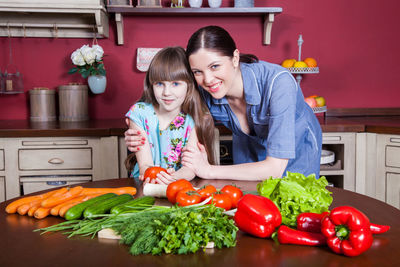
[[218, 40], [171, 64]]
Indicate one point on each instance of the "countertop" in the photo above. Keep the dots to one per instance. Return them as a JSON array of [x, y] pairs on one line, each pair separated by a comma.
[[117, 127], [21, 246]]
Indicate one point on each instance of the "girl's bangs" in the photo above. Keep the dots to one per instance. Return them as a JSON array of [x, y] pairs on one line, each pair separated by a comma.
[[168, 69]]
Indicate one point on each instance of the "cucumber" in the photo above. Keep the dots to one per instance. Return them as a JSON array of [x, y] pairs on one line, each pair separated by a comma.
[[106, 205], [76, 211], [137, 204]]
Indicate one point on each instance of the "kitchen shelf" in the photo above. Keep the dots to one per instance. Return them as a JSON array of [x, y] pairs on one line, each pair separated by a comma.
[[11, 92], [268, 14], [53, 19]]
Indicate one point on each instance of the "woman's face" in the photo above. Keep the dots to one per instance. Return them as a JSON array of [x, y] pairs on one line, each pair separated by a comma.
[[170, 95], [215, 73]]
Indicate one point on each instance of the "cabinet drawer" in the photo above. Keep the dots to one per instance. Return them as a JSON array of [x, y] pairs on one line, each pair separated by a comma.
[[2, 189], [55, 159], [35, 184], [393, 156], [1, 159]]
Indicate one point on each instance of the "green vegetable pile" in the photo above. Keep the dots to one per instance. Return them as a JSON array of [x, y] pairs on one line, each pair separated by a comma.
[[295, 194], [177, 230]]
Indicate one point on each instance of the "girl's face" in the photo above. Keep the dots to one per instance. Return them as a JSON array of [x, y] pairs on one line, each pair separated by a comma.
[[170, 95], [215, 73]]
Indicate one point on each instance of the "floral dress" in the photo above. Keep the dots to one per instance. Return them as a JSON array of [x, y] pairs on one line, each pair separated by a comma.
[[166, 145]]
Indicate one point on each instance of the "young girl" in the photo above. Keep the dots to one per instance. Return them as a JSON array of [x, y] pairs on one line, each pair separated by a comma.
[[172, 114]]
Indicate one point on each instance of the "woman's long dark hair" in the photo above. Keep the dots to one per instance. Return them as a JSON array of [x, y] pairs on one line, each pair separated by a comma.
[[218, 40], [171, 64]]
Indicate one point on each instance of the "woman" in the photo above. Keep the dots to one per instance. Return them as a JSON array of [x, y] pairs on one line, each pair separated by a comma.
[[273, 129]]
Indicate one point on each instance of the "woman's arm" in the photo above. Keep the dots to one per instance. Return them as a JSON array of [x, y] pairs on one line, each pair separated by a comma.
[[196, 160]]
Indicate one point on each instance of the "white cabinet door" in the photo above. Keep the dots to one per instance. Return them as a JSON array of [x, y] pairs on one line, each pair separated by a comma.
[[393, 189]]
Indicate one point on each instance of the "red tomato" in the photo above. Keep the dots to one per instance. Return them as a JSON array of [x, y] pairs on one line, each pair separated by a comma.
[[206, 191], [234, 192], [187, 196], [152, 172], [222, 200], [174, 187]]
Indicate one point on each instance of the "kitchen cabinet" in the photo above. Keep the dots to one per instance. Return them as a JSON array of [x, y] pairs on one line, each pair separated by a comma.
[[387, 178], [57, 19], [267, 13], [342, 172], [37, 163], [2, 173]]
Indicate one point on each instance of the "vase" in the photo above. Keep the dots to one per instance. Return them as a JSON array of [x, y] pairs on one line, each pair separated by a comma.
[[214, 3], [244, 3], [195, 3], [97, 83]]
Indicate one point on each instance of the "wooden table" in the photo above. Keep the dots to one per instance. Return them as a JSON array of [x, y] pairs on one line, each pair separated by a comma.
[[20, 246]]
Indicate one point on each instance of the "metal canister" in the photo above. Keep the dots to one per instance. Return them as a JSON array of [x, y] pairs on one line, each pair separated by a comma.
[[42, 104], [73, 102]]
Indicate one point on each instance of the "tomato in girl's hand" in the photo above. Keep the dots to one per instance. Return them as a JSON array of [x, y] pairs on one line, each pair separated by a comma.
[[187, 196], [152, 172], [222, 200], [234, 192], [206, 191], [174, 187]]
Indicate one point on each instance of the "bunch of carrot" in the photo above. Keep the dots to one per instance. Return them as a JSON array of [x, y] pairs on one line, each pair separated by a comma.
[[58, 201]]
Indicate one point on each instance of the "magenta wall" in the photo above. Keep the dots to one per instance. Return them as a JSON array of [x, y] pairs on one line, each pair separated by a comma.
[[355, 42]]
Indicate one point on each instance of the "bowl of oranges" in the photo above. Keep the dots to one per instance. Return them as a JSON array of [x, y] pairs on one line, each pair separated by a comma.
[[307, 65]]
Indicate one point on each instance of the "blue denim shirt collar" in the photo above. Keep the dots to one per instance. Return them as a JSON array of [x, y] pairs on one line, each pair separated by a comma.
[[251, 91]]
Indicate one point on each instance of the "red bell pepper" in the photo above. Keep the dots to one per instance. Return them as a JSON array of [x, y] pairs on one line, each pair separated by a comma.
[[257, 215], [379, 229], [310, 221], [288, 235], [347, 231]]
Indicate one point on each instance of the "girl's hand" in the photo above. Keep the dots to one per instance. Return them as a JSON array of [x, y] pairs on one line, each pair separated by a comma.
[[196, 160], [165, 178], [134, 139]]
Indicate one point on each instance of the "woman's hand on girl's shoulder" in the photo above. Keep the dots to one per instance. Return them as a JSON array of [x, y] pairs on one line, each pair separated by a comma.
[[134, 139]]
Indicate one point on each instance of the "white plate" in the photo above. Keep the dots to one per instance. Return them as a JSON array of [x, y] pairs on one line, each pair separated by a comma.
[[327, 156]]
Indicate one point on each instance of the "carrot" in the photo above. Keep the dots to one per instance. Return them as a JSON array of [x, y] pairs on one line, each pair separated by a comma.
[[55, 200], [33, 209], [118, 190], [13, 206], [55, 210], [64, 207], [24, 208], [41, 213]]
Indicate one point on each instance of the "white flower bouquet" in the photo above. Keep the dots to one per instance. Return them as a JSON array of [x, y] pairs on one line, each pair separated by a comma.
[[88, 61]]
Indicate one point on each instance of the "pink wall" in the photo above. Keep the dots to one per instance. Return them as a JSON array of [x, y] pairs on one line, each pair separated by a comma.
[[355, 42]]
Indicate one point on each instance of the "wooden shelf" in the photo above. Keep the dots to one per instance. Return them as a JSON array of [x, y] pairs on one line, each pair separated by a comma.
[[268, 14]]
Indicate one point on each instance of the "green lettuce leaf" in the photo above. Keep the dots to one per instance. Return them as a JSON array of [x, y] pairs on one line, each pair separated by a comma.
[[295, 194]]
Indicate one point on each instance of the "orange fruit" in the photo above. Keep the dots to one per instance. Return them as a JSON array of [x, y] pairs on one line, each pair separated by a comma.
[[288, 63], [311, 62], [311, 101], [300, 64]]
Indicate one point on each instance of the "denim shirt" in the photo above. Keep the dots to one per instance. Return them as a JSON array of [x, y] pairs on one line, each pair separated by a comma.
[[281, 123]]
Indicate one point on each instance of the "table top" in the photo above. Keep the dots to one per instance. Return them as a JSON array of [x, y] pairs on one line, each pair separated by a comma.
[[20, 246]]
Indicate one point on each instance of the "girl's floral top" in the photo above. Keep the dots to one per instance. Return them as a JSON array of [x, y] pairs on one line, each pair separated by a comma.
[[166, 145]]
